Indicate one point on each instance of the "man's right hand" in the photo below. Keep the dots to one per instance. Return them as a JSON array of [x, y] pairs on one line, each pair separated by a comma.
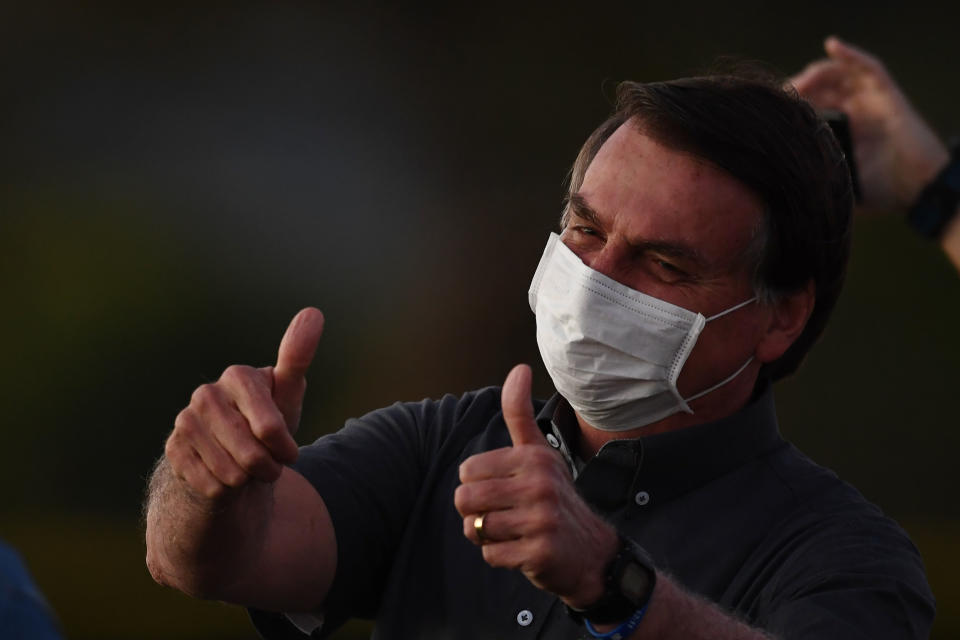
[[226, 519], [241, 427]]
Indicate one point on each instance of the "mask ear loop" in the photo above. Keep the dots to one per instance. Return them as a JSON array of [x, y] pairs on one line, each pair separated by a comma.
[[738, 371], [684, 352], [733, 308], [721, 383]]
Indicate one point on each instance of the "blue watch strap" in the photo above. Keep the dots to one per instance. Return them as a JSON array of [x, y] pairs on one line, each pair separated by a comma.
[[624, 630]]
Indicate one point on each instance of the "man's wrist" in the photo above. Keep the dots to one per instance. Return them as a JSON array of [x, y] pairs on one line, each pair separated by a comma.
[[592, 583], [629, 581]]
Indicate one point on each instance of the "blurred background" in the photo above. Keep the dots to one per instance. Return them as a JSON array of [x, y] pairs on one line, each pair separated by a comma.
[[177, 180]]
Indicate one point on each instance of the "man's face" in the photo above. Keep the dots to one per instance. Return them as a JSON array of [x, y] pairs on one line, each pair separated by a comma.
[[677, 228]]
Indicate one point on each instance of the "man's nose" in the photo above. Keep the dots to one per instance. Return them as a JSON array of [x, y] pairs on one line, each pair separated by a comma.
[[610, 261]]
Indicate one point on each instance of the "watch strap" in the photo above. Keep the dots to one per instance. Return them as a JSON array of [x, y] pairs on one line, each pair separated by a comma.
[[618, 604], [939, 200]]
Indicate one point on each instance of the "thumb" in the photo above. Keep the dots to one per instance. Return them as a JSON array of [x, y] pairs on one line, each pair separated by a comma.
[[297, 348], [844, 51], [518, 408]]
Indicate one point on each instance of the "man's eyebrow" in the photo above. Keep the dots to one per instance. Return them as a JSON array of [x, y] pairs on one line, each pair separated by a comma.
[[579, 207], [672, 250]]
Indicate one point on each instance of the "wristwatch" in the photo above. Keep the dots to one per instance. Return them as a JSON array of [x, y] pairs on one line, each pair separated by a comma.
[[628, 584], [939, 201]]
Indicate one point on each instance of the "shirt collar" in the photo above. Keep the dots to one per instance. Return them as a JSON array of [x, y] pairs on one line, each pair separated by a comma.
[[674, 462]]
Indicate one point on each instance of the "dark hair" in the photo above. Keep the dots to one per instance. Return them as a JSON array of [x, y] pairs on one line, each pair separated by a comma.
[[756, 128]]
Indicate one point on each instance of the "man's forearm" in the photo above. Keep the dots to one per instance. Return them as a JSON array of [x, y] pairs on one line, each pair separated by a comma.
[[195, 544], [675, 613]]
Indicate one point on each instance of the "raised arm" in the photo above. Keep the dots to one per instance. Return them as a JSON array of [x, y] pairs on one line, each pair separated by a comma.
[[226, 519], [896, 151]]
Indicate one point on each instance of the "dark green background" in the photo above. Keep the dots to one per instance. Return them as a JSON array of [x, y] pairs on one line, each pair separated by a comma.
[[178, 180]]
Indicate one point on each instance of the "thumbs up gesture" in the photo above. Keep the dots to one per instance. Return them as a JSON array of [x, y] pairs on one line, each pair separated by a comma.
[[533, 520], [241, 427]]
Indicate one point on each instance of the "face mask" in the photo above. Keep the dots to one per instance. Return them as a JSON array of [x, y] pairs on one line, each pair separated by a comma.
[[614, 353]]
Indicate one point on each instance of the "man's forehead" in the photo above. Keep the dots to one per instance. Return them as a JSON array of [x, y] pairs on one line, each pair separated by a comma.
[[631, 154], [634, 142], [657, 193]]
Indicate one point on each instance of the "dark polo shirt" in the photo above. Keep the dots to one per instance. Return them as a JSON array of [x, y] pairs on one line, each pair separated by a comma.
[[729, 509]]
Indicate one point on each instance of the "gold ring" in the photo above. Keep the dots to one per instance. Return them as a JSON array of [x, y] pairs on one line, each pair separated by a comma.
[[478, 527]]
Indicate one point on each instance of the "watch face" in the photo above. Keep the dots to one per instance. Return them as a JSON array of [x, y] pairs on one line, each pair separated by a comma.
[[635, 583]]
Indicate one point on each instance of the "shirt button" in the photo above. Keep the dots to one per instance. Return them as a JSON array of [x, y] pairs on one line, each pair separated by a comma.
[[642, 498], [524, 618], [552, 439]]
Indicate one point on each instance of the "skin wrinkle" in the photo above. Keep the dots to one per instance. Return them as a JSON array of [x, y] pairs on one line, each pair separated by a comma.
[[751, 257], [756, 253], [582, 209]]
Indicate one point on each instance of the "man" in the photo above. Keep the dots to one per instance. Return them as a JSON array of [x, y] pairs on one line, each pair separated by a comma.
[[703, 247]]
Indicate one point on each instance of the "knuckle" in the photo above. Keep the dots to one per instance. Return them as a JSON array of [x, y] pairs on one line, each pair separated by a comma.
[[236, 373], [172, 448], [244, 381], [181, 419], [234, 477], [235, 423], [200, 482], [203, 396], [253, 458], [542, 488], [178, 453], [540, 555], [223, 471], [491, 555], [270, 430], [547, 518], [212, 490], [183, 424], [461, 497], [175, 460]]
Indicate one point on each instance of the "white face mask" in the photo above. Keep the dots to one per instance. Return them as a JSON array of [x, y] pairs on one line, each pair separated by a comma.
[[614, 353]]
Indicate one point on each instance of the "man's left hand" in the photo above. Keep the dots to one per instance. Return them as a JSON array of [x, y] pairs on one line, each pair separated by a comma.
[[534, 520]]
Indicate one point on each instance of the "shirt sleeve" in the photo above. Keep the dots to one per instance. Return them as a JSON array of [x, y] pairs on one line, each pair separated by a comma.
[[24, 612], [851, 578]]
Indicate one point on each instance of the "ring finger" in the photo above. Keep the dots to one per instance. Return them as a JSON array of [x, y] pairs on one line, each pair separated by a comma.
[[490, 526]]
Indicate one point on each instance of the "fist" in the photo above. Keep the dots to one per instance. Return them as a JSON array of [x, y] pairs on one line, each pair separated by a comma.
[[240, 428], [534, 520]]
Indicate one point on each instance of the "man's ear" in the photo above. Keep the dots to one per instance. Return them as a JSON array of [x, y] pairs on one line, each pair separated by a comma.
[[788, 316]]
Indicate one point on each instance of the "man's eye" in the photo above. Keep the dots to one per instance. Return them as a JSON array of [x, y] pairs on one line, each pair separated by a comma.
[[666, 265], [587, 231], [670, 268]]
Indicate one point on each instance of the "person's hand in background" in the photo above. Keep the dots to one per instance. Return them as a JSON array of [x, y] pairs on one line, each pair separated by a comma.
[[896, 152]]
